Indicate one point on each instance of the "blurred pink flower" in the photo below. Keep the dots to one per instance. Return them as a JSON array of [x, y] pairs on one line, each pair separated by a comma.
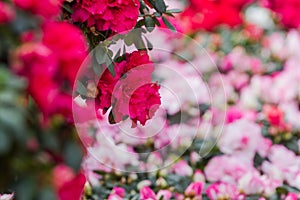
[[117, 193], [182, 168], [218, 191], [164, 195], [147, 193], [194, 190], [287, 11], [240, 137], [48, 9], [227, 169], [6, 196], [7, 13]]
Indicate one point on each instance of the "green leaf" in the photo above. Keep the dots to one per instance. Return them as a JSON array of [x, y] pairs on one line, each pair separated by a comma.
[[101, 54], [159, 5], [282, 190], [111, 68], [168, 24], [111, 118], [81, 89], [67, 7], [150, 25], [174, 11]]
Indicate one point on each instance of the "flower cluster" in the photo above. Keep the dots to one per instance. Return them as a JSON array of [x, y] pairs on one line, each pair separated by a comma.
[[130, 92], [287, 10], [51, 65], [207, 15], [254, 125], [117, 16], [46, 9]]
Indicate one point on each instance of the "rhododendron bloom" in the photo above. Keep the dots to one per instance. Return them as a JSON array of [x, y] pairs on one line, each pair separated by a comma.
[[118, 16], [208, 14], [287, 10], [130, 92], [218, 191], [7, 14], [241, 136], [51, 63], [147, 193], [46, 9], [194, 190], [182, 168], [164, 195], [117, 193]]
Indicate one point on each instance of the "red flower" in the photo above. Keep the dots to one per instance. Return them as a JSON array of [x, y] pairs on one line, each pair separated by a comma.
[[46, 8], [144, 102], [207, 14], [287, 10], [130, 93], [51, 67], [115, 15], [67, 184], [6, 13]]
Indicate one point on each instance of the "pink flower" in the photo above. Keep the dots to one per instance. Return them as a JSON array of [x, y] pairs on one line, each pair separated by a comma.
[[47, 9], [117, 16], [198, 176], [251, 183], [287, 11], [273, 114], [7, 14], [194, 190], [6, 196], [164, 195], [62, 174], [218, 191], [117, 193], [182, 168], [240, 137], [227, 169], [72, 189], [291, 196], [233, 114], [147, 193], [67, 184]]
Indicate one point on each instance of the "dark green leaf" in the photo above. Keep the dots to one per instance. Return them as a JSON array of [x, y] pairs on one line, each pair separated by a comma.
[[168, 24], [111, 118], [101, 54], [150, 25], [282, 190], [67, 7], [159, 5], [111, 68]]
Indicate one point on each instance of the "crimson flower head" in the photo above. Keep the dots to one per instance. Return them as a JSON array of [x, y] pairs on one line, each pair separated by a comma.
[[207, 14], [130, 93], [114, 15]]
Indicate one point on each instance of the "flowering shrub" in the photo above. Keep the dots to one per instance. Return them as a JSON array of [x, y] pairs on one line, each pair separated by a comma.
[[160, 115]]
